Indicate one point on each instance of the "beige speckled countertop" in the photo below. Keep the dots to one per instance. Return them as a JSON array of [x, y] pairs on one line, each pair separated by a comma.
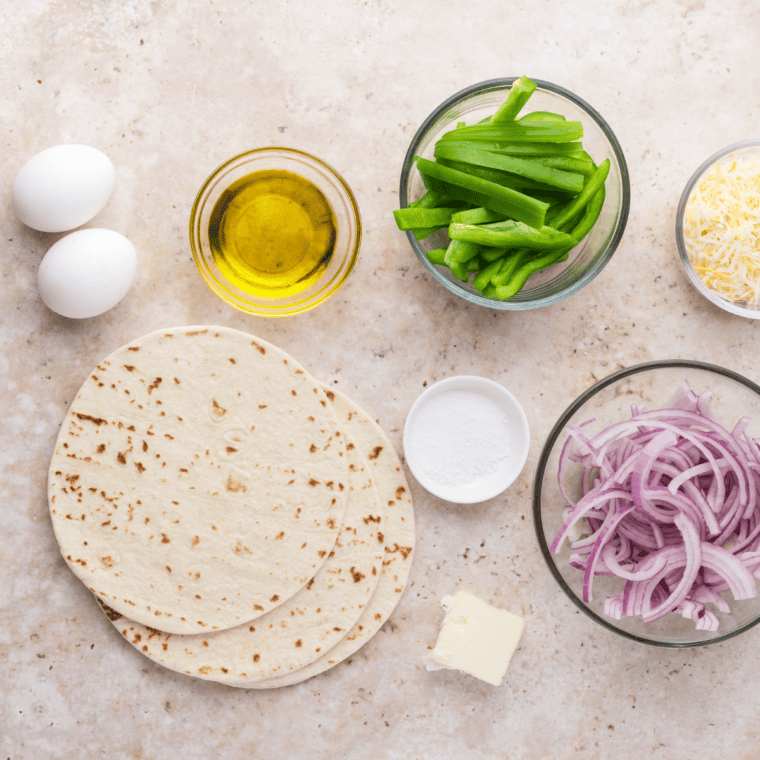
[[168, 91]]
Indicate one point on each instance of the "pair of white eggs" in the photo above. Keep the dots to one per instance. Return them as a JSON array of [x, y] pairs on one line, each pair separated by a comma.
[[87, 272]]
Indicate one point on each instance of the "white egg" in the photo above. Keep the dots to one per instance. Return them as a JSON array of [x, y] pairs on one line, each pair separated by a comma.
[[62, 187], [87, 273]]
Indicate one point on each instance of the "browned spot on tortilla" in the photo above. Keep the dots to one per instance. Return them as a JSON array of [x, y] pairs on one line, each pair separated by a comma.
[[375, 452], [405, 551], [275, 598], [263, 406], [233, 485], [312, 448], [323, 402], [182, 469], [140, 467], [168, 569], [331, 524], [299, 643], [391, 502], [280, 536], [216, 410], [101, 448], [107, 560], [338, 630], [111, 613], [400, 491], [240, 549], [154, 385], [195, 541], [310, 584], [129, 368], [165, 539], [206, 669], [293, 393], [313, 482], [231, 449], [350, 447], [372, 519], [121, 457], [193, 333], [321, 553], [252, 629], [380, 537], [256, 657], [356, 575], [133, 348], [310, 418], [232, 361], [258, 607], [259, 348], [89, 418], [145, 446], [330, 395], [378, 616]]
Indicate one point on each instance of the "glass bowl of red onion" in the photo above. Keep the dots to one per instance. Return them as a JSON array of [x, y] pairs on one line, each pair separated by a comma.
[[646, 503]]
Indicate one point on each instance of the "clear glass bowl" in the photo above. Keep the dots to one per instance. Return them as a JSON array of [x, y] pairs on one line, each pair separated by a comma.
[[741, 308], [608, 402], [588, 258], [337, 193]]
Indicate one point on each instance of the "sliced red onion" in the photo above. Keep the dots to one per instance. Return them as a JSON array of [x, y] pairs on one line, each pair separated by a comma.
[[670, 504]]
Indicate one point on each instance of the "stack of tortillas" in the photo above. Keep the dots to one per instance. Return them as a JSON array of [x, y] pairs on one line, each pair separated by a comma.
[[237, 520]]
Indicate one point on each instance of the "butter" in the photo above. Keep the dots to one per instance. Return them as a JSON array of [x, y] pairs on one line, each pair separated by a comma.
[[476, 638]]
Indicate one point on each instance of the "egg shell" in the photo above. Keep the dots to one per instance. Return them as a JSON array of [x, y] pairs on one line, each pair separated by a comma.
[[87, 273], [62, 187]]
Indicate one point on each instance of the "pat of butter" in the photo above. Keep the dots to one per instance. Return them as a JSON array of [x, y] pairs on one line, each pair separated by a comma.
[[476, 638]]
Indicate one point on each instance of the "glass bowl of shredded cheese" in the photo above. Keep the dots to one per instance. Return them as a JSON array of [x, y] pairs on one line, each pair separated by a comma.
[[718, 229]]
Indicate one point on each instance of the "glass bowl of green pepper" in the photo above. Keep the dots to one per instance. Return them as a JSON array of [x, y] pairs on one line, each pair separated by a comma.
[[514, 193]]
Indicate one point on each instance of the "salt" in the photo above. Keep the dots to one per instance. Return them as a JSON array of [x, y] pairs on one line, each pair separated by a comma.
[[460, 437]]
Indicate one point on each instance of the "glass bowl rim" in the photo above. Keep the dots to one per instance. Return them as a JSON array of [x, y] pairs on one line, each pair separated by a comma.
[[592, 272], [538, 480], [260, 308], [683, 256]]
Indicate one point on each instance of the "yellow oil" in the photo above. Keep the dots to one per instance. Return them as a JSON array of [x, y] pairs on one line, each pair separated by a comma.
[[272, 233]]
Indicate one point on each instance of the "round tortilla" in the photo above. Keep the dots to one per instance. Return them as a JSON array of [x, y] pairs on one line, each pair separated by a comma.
[[199, 479], [398, 527], [298, 631]]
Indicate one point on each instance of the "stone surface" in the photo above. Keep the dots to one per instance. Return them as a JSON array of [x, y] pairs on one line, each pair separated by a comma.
[[169, 91]]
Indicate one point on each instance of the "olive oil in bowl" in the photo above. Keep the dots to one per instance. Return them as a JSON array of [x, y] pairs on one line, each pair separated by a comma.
[[272, 233]]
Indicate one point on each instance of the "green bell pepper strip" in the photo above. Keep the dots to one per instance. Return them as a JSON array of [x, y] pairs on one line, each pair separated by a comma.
[[510, 265], [524, 150], [488, 194], [519, 132], [483, 277], [571, 182], [436, 256], [511, 234], [489, 254], [525, 270], [568, 164], [517, 97], [593, 210], [460, 271], [542, 116], [429, 200], [419, 218], [583, 198], [461, 251], [505, 179], [478, 215]]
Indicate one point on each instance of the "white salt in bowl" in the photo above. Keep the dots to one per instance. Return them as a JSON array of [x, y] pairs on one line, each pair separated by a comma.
[[466, 439]]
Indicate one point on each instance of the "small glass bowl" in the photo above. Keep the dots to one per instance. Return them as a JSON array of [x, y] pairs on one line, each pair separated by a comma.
[[741, 308], [429, 409], [588, 258], [337, 193], [606, 403]]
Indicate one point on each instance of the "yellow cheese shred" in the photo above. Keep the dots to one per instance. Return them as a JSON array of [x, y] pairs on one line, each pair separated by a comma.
[[722, 228]]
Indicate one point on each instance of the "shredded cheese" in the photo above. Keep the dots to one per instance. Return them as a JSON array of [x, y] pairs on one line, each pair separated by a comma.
[[722, 228]]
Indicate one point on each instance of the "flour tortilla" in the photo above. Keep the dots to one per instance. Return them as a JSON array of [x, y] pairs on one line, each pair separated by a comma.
[[398, 527], [199, 479], [298, 631]]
